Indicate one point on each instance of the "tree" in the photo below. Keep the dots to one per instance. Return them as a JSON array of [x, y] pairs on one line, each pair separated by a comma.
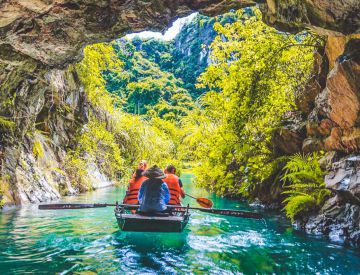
[[251, 84]]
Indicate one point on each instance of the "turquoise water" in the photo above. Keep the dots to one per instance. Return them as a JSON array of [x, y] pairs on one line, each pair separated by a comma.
[[88, 242]]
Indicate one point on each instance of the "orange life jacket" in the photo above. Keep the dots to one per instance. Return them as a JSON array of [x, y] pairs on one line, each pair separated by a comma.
[[131, 196], [172, 182]]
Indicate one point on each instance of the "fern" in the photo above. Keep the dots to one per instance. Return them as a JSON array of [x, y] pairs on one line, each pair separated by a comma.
[[306, 190], [299, 204]]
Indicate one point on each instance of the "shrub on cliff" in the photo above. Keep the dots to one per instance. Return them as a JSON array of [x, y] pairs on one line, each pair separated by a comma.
[[306, 190]]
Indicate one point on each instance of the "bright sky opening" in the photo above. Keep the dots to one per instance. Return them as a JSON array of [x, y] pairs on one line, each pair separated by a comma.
[[169, 34]]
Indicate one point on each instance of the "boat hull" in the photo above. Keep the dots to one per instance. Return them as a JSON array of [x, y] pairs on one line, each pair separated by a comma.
[[139, 223]]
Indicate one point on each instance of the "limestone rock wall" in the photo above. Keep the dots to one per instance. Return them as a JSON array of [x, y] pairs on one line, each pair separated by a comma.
[[339, 218], [323, 16], [54, 32], [46, 112]]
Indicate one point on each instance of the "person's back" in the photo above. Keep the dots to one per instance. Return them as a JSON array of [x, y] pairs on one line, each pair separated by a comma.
[[174, 184], [131, 196], [172, 181], [154, 194]]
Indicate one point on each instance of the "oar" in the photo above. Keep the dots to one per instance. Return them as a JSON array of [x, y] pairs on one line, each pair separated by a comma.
[[230, 212], [204, 202], [225, 212], [59, 206]]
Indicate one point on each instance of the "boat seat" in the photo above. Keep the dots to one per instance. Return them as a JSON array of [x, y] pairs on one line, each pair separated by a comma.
[[154, 214]]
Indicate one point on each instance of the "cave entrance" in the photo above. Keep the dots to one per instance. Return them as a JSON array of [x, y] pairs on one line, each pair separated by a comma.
[[214, 93]]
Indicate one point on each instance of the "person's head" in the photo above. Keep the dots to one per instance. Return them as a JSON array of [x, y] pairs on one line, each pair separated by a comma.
[[170, 169], [154, 173], [142, 164]]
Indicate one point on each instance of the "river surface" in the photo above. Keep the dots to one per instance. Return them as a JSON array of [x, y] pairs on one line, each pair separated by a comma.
[[88, 241]]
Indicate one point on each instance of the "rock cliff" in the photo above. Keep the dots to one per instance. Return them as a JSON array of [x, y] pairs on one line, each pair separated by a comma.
[[40, 38], [339, 218]]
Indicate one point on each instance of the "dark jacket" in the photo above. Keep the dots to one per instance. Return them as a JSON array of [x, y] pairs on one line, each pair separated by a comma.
[[154, 195]]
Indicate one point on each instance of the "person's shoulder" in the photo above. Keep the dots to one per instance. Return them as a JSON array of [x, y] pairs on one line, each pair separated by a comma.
[[175, 177], [146, 181]]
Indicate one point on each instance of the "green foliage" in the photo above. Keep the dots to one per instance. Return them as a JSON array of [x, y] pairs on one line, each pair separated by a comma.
[[4, 190], [306, 190], [251, 84], [114, 140], [299, 204], [154, 69], [38, 150], [96, 145], [97, 58], [5, 122], [76, 168], [143, 87]]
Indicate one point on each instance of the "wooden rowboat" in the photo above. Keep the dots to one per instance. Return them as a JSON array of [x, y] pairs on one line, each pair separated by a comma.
[[175, 222]]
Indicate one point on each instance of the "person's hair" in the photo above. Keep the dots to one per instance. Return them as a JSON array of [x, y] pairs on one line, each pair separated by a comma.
[[144, 162], [138, 173], [170, 168]]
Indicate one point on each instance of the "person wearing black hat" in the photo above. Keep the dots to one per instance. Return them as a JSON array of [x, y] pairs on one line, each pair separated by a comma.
[[154, 194]]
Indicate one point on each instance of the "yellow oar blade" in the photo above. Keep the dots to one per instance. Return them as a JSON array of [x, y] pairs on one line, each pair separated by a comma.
[[206, 203]]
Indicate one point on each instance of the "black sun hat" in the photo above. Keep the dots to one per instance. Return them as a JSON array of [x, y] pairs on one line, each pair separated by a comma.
[[154, 173]]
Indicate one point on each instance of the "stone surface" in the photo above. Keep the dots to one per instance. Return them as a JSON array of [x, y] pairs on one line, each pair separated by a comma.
[[312, 144], [333, 142], [343, 87], [335, 46], [340, 223], [339, 218], [305, 100], [48, 114], [55, 32], [287, 140], [344, 175], [323, 16], [335, 117]]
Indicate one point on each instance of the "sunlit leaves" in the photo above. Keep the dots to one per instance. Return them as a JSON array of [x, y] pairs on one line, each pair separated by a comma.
[[114, 140], [254, 75], [98, 58]]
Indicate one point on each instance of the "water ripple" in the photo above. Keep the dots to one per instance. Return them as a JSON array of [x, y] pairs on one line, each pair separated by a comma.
[[88, 241]]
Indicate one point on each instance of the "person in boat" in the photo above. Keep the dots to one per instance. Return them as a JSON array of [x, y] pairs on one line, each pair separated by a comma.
[[154, 194], [142, 165], [175, 185], [131, 196]]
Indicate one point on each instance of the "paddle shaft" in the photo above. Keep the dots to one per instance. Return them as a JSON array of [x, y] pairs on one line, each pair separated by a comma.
[[225, 212], [230, 212], [190, 196], [59, 206]]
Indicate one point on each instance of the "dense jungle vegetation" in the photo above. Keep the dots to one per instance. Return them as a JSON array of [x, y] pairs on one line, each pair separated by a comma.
[[211, 100]]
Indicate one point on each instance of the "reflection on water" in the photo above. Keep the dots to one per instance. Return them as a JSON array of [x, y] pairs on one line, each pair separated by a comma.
[[88, 241]]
